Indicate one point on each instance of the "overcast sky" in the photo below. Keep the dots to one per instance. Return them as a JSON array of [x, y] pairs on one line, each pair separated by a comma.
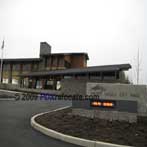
[[110, 31]]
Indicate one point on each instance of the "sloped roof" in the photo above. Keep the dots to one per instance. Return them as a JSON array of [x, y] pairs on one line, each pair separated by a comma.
[[39, 59], [21, 59], [75, 53], [90, 69]]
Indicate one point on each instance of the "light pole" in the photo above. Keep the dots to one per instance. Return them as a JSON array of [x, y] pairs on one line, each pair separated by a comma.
[[138, 66], [1, 67]]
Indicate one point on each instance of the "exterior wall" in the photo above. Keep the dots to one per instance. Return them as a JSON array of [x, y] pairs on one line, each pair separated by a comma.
[[84, 61], [54, 65], [54, 62], [15, 78], [78, 61], [15, 72], [26, 67], [5, 75], [49, 63], [35, 66], [61, 62], [67, 61], [12, 69], [122, 77], [42, 63], [67, 58]]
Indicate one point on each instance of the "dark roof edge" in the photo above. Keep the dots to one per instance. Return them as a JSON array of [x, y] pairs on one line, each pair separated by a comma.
[[89, 69], [75, 53], [126, 65]]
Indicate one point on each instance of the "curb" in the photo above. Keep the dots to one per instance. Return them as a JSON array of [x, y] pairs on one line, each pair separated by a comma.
[[67, 138]]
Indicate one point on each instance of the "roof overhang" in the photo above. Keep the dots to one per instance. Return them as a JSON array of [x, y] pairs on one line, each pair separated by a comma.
[[91, 69]]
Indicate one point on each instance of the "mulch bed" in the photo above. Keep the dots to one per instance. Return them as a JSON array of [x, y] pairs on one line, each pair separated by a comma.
[[122, 133]]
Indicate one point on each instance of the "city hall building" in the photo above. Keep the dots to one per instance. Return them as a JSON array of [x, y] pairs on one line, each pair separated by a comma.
[[47, 71]]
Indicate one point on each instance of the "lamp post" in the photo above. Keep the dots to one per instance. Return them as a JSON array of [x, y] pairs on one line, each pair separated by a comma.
[[1, 67]]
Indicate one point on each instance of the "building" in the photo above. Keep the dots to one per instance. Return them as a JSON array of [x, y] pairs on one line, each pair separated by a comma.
[[49, 69]]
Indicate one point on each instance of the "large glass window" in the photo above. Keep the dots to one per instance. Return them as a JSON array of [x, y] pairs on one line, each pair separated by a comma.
[[16, 66], [26, 67]]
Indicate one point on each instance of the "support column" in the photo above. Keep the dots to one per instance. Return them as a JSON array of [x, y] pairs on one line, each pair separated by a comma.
[[10, 74], [101, 74]]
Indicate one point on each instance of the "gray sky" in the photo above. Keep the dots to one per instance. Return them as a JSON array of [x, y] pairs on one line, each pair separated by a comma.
[[110, 31]]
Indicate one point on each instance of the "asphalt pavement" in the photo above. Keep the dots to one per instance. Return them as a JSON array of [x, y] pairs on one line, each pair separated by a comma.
[[15, 129]]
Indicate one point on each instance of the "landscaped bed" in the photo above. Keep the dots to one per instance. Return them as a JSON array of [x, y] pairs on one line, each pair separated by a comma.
[[123, 133]]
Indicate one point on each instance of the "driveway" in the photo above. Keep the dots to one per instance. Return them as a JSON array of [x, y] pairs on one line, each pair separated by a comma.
[[15, 129]]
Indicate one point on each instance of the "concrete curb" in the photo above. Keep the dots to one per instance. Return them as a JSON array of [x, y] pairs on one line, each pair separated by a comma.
[[3, 90], [67, 138]]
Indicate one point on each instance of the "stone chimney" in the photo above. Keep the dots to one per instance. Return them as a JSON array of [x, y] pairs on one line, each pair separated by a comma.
[[45, 48]]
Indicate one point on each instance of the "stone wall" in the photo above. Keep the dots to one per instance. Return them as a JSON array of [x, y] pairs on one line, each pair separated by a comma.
[[131, 101], [73, 87], [45, 48], [123, 110], [107, 115], [121, 92], [120, 105]]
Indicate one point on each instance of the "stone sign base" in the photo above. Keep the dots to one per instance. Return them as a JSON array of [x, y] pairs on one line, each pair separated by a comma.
[[108, 115]]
